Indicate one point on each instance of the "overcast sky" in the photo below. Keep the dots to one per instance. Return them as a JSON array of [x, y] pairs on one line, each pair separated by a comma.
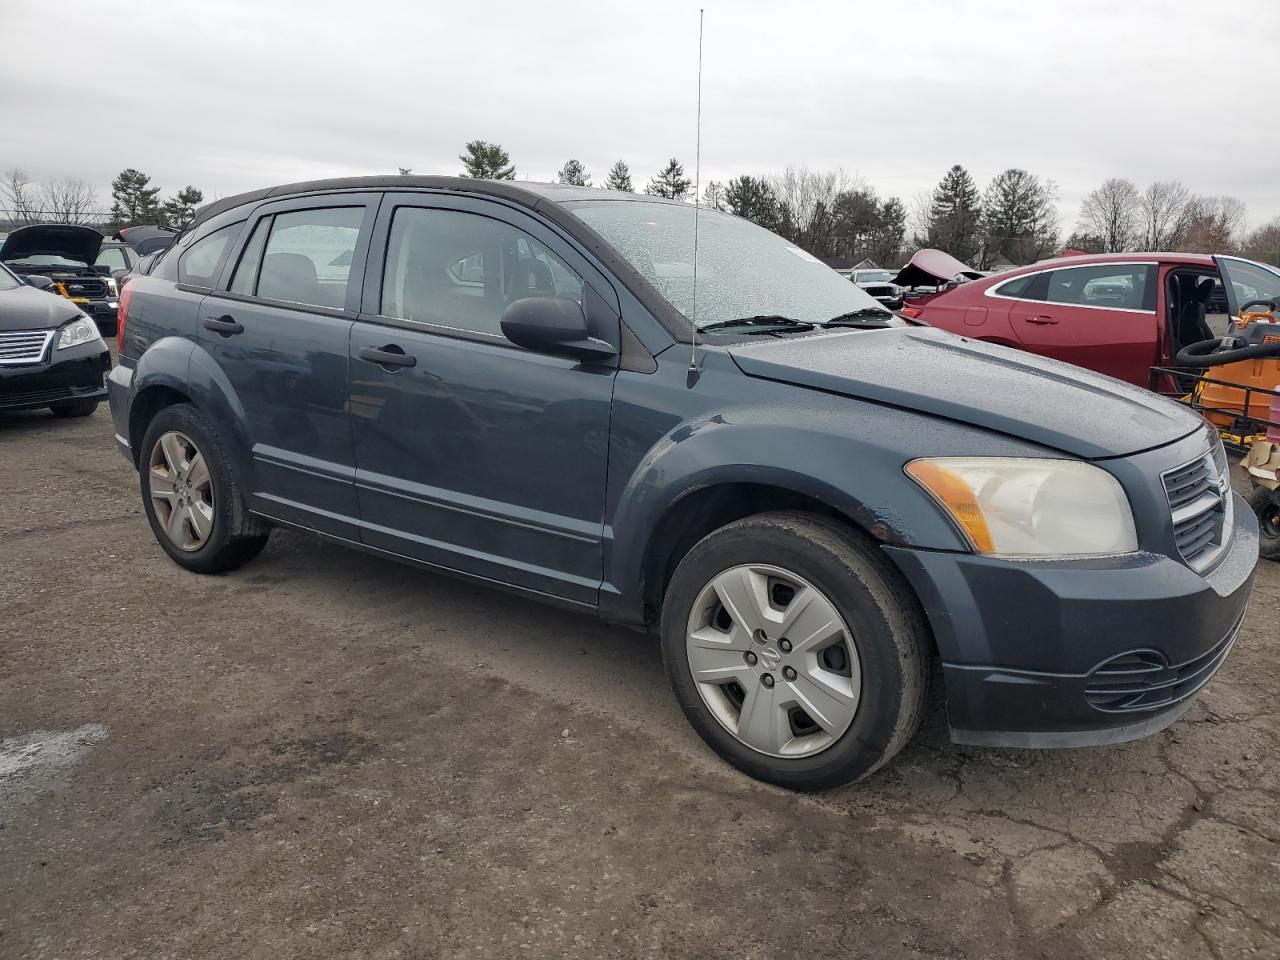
[[235, 95]]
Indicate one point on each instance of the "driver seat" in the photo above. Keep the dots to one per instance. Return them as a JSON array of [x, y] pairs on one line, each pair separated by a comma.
[[1193, 295]]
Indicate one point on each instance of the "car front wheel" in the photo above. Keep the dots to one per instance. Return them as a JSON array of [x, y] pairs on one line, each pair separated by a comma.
[[796, 650], [1266, 504], [74, 408]]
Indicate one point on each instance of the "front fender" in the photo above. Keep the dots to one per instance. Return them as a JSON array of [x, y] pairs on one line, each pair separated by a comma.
[[802, 450]]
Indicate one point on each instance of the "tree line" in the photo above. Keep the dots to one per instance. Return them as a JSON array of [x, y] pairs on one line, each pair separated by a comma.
[[134, 202], [1014, 220]]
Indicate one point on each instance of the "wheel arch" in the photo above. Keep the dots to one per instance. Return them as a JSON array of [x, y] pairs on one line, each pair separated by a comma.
[[700, 511], [148, 402]]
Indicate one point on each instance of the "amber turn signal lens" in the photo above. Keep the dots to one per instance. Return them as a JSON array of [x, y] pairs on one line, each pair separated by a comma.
[[958, 499]]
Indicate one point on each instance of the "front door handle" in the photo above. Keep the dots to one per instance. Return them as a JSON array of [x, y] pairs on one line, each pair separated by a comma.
[[1042, 320], [389, 355], [225, 325]]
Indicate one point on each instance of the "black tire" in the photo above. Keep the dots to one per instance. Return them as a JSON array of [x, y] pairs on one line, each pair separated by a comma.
[[237, 535], [75, 408], [1266, 505], [883, 616]]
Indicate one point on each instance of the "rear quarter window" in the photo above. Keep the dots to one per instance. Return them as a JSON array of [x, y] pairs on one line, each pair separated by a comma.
[[198, 264], [1019, 287]]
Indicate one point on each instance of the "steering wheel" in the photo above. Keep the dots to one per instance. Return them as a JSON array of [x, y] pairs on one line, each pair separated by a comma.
[[1269, 304]]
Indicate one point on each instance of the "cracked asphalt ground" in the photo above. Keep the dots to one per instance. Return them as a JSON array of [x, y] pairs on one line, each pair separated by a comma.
[[328, 755]]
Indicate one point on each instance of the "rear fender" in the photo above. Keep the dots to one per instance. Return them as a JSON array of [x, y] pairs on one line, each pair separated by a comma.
[[214, 394]]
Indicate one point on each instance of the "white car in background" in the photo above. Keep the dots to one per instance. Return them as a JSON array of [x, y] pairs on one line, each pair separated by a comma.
[[879, 283]]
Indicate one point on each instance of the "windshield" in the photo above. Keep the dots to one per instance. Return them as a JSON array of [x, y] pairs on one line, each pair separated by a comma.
[[46, 260], [743, 270], [112, 257], [7, 280], [873, 276]]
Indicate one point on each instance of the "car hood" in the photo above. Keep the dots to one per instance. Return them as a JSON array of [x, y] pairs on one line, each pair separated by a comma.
[[26, 308], [55, 239], [1043, 401]]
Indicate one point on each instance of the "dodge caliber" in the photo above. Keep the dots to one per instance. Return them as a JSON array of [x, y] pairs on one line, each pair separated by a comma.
[[538, 388]]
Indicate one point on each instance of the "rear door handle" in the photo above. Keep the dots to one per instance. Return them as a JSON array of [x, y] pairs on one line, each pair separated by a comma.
[[1042, 320], [226, 325], [389, 355]]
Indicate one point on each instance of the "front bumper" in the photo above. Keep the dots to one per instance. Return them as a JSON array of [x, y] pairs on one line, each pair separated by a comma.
[[103, 312], [76, 373], [1083, 652]]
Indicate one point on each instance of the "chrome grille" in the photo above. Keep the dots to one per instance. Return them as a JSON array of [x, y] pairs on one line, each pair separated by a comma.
[[1199, 502], [92, 287], [22, 347]]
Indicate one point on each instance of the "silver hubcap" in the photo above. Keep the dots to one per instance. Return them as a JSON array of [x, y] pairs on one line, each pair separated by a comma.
[[181, 491], [773, 660]]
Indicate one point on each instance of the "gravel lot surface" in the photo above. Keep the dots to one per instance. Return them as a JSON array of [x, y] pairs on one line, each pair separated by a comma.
[[329, 755]]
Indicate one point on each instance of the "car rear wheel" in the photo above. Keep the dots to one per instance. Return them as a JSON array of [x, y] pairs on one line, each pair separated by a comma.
[[796, 650], [191, 496], [1266, 504], [75, 408]]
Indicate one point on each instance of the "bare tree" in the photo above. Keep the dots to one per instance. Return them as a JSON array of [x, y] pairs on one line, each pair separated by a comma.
[[918, 217], [1164, 208], [69, 201], [1111, 214], [1213, 225], [1264, 243], [17, 190], [807, 201]]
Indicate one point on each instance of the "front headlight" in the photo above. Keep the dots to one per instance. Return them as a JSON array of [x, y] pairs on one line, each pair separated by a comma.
[[1015, 507], [113, 289], [77, 332]]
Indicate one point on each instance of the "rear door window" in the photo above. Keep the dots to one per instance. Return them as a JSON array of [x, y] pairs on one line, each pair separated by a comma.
[[307, 257], [1112, 286]]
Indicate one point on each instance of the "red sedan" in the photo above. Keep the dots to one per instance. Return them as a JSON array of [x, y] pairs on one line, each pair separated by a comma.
[[1120, 314]]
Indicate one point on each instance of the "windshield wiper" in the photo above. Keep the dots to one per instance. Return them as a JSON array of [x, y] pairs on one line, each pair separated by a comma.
[[761, 323], [869, 317]]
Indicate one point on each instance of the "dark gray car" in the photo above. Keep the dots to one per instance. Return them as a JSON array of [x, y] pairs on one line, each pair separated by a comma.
[[524, 385]]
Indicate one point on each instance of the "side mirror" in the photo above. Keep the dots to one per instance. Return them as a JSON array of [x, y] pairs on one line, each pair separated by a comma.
[[102, 270], [40, 283], [553, 325]]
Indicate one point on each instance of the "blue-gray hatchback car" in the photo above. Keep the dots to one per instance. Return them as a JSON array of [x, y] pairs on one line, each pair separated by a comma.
[[538, 388]]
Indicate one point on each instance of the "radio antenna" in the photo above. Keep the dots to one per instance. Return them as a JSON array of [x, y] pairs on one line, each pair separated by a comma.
[[697, 206]]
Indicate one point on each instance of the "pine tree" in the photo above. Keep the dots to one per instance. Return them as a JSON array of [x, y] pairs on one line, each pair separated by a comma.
[[180, 209], [713, 196], [1020, 222], [133, 201], [486, 161], [670, 182], [955, 215], [891, 233], [857, 215], [574, 173], [753, 199], [619, 178]]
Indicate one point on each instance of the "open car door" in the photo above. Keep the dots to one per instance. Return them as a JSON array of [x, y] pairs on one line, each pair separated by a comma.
[[1248, 285]]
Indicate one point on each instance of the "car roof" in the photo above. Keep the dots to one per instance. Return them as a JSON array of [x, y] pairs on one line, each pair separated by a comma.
[[1084, 260], [525, 192]]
